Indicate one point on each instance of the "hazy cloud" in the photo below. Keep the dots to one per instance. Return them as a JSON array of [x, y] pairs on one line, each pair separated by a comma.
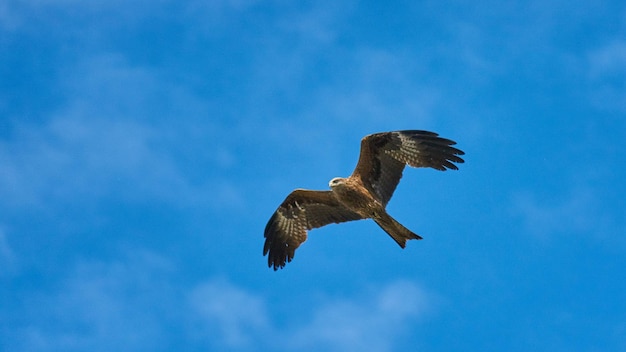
[[99, 307], [371, 320], [607, 73], [234, 317], [74, 156], [576, 213], [609, 59], [100, 143], [7, 257], [380, 86]]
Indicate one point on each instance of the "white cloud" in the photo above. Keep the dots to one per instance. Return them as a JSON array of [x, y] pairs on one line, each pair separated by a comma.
[[607, 73], [382, 87], [219, 7], [119, 305], [609, 59], [76, 157], [132, 303], [581, 212], [542, 218], [28, 15], [114, 138], [373, 320], [7, 256], [317, 25], [233, 317], [8, 22]]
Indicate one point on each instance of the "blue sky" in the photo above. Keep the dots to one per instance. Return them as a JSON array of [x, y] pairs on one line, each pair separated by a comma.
[[145, 144]]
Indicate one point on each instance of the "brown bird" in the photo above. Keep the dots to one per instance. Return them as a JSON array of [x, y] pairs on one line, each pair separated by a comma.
[[363, 195]]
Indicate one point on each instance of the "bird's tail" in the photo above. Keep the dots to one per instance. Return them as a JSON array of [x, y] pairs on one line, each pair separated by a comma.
[[399, 233]]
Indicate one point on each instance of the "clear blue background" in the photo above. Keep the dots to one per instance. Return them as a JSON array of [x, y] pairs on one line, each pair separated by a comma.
[[145, 144]]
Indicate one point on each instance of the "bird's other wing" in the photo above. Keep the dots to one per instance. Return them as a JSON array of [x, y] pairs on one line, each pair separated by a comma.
[[302, 210], [384, 155]]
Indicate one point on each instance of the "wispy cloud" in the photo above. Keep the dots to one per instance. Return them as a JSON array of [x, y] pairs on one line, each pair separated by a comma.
[[79, 158], [100, 143], [609, 59], [381, 87], [99, 307], [607, 72], [231, 316], [7, 257], [371, 320], [217, 10], [580, 212], [33, 15], [135, 302], [7, 16]]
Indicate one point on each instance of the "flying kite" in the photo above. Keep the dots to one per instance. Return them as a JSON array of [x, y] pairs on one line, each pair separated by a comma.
[[363, 195]]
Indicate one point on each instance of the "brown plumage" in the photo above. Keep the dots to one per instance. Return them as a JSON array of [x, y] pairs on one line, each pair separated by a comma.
[[363, 195]]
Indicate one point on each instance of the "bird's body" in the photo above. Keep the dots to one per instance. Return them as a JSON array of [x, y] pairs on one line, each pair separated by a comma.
[[363, 195], [353, 195]]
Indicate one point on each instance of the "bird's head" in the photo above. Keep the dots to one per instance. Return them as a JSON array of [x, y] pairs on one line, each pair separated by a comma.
[[335, 182]]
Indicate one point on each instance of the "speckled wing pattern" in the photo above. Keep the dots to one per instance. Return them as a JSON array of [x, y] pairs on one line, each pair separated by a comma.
[[302, 210], [384, 155]]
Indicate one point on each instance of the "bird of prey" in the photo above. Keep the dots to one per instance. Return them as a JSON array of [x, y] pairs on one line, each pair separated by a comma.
[[363, 195]]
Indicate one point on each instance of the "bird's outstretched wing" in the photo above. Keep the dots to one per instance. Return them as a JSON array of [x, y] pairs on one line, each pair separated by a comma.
[[384, 155], [302, 210]]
